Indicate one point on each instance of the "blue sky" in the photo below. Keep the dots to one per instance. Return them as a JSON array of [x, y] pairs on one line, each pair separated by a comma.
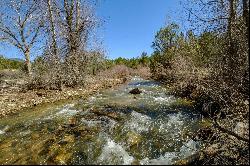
[[130, 25]]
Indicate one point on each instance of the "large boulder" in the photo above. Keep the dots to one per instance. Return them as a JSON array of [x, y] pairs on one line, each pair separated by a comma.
[[135, 91]]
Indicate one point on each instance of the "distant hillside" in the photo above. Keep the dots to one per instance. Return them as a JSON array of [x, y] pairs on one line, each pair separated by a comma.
[[10, 63], [16, 59]]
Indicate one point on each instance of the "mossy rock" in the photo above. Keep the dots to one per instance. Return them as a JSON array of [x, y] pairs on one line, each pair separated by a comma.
[[183, 102], [63, 158], [133, 138], [205, 123], [189, 160]]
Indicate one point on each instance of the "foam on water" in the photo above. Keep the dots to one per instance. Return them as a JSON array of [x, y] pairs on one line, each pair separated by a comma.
[[166, 159], [176, 119], [105, 122], [189, 148], [2, 132], [165, 100], [90, 123], [23, 133], [67, 110], [138, 122], [136, 78], [113, 153], [92, 99]]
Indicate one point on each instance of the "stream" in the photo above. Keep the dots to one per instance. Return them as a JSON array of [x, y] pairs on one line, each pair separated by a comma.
[[110, 127]]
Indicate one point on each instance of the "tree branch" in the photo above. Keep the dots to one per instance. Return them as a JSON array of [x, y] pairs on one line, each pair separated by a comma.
[[206, 19], [216, 125], [10, 35]]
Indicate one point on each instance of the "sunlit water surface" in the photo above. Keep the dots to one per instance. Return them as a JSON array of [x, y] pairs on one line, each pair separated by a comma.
[[111, 127]]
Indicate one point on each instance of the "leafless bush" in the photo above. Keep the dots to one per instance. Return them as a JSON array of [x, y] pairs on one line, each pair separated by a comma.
[[142, 71], [118, 71]]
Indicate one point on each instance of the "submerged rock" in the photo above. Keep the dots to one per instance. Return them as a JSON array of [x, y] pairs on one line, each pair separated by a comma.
[[112, 115], [72, 121], [67, 139], [189, 160], [135, 91], [133, 138], [63, 158]]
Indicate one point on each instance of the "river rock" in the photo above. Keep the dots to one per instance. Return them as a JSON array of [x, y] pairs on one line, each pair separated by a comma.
[[41, 93], [212, 149], [114, 115], [79, 131], [124, 79], [67, 139], [35, 136], [6, 145], [63, 158], [135, 91], [241, 129], [133, 138], [190, 160], [72, 121], [136, 162]]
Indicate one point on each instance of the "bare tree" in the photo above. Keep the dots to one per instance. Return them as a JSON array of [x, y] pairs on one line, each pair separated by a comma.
[[69, 24], [52, 28], [20, 25], [76, 22]]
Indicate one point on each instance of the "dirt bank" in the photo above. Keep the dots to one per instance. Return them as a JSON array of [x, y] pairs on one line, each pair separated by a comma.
[[14, 98]]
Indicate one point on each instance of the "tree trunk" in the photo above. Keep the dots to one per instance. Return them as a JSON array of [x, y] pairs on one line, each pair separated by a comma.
[[77, 14], [52, 25], [231, 52], [27, 61], [231, 19], [246, 17]]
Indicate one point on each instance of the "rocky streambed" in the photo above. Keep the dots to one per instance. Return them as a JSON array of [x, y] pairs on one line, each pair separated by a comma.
[[14, 96], [110, 127]]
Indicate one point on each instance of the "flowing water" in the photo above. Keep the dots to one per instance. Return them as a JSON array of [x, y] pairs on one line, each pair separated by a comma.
[[111, 127]]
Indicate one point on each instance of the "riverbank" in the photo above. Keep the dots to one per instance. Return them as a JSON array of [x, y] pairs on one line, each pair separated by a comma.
[[224, 136], [15, 99]]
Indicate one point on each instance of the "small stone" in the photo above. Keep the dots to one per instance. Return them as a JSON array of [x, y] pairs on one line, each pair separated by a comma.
[[241, 128], [35, 136], [213, 149], [69, 138], [72, 121], [135, 91], [113, 115], [60, 128], [135, 162], [133, 138], [63, 158]]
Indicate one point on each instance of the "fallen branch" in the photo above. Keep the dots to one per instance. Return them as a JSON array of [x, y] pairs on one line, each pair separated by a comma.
[[216, 125]]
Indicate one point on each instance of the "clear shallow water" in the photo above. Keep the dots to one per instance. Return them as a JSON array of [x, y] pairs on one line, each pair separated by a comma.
[[112, 127]]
